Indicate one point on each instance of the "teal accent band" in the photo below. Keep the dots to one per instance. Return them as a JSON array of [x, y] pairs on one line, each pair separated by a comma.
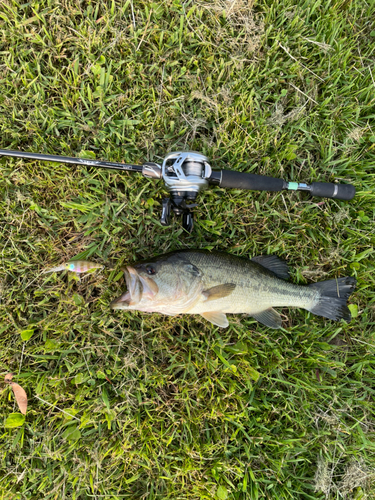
[[71, 266], [292, 186]]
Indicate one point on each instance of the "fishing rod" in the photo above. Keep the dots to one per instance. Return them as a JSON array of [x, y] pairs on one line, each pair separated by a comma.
[[185, 173]]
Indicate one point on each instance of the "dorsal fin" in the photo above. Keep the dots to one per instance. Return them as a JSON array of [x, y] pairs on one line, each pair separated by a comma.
[[274, 264]]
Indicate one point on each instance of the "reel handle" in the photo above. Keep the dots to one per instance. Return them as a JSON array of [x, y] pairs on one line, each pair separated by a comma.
[[239, 180]]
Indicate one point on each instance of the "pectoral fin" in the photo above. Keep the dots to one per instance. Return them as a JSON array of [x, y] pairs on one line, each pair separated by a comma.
[[269, 317], [219, 291], [216, 318]]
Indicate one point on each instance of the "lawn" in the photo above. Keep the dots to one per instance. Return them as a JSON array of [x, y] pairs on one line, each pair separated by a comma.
[[144, 406]]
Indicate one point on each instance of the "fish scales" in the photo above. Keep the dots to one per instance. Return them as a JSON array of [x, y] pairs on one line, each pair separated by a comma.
[[213, 284], [257, 288]]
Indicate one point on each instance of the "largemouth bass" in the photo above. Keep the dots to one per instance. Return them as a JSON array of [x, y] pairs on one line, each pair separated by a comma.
[[213, 284]]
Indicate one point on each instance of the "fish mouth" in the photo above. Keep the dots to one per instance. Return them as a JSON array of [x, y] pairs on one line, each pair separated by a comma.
[[139, 288]]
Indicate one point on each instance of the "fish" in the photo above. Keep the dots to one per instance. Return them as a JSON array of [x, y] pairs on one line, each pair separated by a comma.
[[213, 284], [75, 266]]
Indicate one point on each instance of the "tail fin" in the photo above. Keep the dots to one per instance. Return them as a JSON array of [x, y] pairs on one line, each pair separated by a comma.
[[333, 296]]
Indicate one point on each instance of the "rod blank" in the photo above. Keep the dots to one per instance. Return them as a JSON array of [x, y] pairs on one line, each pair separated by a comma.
[[72, 161]]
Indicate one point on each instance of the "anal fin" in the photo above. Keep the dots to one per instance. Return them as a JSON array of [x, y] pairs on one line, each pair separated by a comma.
[[219, 291], [269, 317], [216, 318]]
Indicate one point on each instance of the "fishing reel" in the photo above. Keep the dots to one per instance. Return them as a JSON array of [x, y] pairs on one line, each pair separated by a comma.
[[185, 173]]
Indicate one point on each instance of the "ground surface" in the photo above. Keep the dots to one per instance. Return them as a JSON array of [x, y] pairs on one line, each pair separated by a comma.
[[130, 405]]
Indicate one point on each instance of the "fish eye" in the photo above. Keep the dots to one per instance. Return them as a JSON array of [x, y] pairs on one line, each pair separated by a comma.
[[150, 270]]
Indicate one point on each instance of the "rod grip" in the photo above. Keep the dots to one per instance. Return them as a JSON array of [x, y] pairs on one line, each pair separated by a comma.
[[330, 190], [240, 180]]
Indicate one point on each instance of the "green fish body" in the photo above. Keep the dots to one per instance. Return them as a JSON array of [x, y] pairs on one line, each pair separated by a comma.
[[214, 284]]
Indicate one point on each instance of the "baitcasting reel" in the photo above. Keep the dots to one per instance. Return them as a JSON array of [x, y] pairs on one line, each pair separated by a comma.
[[185, 173]]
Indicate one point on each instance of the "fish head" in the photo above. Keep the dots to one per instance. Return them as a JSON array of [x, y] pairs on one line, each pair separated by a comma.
[[167, 285]]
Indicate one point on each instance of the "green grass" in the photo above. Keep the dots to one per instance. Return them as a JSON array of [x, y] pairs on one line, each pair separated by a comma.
[[130, 405]]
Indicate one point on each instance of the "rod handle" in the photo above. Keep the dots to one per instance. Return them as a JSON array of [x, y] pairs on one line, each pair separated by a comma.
[[240, 180], [330, 190]]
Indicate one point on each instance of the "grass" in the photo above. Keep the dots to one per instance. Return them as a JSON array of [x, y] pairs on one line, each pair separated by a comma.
[[130, 405]]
